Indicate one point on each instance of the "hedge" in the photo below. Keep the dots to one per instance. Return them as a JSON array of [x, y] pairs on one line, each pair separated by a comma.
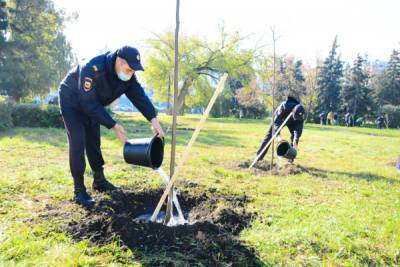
[[29, 115], [393, 114], [5, 116]]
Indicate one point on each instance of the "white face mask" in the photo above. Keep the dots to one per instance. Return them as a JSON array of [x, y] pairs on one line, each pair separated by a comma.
[[123, 76]]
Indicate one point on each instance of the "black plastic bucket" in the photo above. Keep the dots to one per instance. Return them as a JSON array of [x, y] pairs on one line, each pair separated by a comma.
[[284, 149], [147, 152]]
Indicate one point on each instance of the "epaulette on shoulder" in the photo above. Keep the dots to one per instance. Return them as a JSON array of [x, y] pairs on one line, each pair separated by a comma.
[[96, 64], [99, 67]]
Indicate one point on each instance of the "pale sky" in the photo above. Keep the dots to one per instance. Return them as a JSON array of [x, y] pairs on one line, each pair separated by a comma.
[[306, 27]]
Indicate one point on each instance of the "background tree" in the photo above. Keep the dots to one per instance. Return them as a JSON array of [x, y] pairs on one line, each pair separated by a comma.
[[3, 25], [329, 81], [36, 53], [387, 87], [290, 79], [310, 97], [202, 63], [3, 31], [252, 101], [356, 94]]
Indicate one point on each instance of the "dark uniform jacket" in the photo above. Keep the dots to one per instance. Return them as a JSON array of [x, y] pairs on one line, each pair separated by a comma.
[[91, 86], [281, 113]]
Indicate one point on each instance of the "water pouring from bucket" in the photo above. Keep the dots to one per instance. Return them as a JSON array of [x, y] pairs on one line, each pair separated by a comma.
[[149, 152], [181, 217]]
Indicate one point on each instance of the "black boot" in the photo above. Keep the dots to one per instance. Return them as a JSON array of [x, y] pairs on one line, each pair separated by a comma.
[[101, 184], [80, 195]]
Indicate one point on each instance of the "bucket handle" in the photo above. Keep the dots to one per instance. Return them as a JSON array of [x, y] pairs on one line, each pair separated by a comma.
[[162, 138]]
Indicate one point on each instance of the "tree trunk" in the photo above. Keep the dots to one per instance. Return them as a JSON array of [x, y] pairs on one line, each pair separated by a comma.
[[273, 101], [182, 95], [356, 104], [310, 104], [169, 111], [169, 211]]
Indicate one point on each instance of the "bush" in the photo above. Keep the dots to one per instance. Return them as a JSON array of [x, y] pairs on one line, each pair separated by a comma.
[[393, 114], [5, 115], [30, 115]]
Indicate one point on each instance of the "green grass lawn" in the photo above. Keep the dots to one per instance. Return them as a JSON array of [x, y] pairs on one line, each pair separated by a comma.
[[344, 211]]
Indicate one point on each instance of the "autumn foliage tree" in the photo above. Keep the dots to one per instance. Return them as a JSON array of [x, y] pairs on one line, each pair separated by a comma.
[[202, 63]]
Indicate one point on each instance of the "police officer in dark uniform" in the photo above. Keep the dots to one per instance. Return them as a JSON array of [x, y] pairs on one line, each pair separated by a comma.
[[380, 122], [295, 123], [84, 93], [323, 117]]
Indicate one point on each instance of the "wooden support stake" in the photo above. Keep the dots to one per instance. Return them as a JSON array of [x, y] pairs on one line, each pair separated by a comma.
[[185, 155]]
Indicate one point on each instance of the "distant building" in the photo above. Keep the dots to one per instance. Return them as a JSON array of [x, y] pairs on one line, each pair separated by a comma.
[[125, 105]]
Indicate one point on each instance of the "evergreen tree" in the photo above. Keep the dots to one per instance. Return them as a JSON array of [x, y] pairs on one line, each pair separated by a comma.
[[329, 81], [387, 87], [356, 93], [297, 72], [3, 27], [3, 19]]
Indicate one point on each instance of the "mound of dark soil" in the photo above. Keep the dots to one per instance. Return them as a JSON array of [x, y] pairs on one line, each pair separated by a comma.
[[209, 238], [263, 167]]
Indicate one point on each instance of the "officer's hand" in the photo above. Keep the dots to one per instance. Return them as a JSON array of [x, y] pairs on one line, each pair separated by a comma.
[[156, 128], [121, 134], [279, 138], [296, 146]]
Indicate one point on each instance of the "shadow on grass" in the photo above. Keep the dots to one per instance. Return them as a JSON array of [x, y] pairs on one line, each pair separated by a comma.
[[370, 177], [56, 137], [209, 240], [357, 130], [209, 138], [135, 129], [265, 121], [184, 133]]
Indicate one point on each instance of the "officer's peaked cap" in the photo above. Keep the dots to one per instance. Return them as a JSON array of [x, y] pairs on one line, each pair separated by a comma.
[[132, 56]]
